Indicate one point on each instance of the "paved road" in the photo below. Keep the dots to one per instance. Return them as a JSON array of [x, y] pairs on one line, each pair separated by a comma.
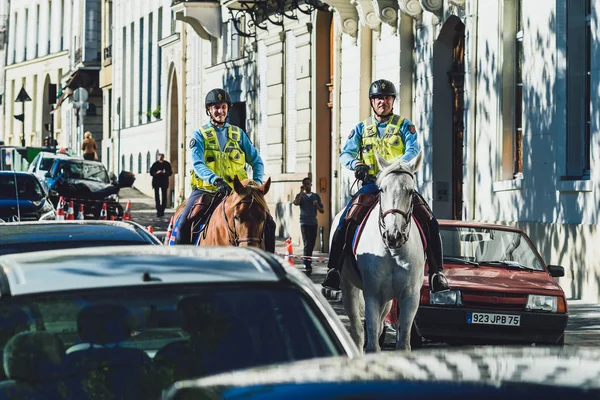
[[583, 328]]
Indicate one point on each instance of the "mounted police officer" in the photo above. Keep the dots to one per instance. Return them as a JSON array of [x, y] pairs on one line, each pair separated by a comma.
[[220, 151], [390, 136]]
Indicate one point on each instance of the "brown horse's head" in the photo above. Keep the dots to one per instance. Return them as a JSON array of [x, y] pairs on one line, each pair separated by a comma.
[[245, 212]]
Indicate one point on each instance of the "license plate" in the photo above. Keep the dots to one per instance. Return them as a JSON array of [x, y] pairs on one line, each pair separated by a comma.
[[493, 319]]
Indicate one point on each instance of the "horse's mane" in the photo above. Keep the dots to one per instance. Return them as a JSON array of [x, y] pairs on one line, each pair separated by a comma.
[[396, 166], [251, 188]]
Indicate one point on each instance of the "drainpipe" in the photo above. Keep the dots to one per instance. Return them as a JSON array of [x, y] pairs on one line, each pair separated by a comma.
[[473, 106], [183, 110]]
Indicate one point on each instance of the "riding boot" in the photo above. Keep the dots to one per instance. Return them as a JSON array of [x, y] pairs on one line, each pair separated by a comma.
[[437, 279], [269, 234], [336, 259]]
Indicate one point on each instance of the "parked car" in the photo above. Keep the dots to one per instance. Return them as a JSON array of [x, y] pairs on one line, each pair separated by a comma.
[[42, 163], [22, 198], [501, 290], [130, 321], [474, 373], [88, 183], [54, 235]]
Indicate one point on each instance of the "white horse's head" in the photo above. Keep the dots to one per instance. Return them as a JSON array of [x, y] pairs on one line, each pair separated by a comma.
[[397, 183]]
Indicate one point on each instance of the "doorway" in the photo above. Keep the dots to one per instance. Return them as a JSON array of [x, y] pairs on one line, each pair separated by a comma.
[[448, 120]]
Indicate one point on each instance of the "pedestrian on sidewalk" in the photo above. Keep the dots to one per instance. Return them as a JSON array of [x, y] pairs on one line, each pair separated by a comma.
[[309, 203], [89, 147], [160, 171]]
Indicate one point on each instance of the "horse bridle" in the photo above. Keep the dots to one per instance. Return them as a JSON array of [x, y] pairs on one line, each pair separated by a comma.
[[405, 229], [234, 240]]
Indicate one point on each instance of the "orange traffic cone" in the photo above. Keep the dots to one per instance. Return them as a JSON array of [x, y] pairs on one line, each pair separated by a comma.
[[289, 251], [81, 212], [169, 230], [127, 212], [103, 215], [150, 229], [70, 211], [60, 211]]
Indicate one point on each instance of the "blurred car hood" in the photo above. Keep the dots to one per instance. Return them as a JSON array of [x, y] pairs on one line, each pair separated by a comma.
[[85, 188], [575, 368], [501, 279]]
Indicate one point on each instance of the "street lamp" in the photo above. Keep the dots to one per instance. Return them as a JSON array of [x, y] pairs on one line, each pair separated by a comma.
[[22, 97]]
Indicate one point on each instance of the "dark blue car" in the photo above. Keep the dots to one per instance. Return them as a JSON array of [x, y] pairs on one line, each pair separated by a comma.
[[23, 198]]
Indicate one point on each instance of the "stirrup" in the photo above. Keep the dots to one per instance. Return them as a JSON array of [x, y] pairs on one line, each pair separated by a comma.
[[438, 285]]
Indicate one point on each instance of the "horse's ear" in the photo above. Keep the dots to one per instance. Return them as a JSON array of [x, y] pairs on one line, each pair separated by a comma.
[[383, 163], [264, 188], [237, 185], [415, 163]]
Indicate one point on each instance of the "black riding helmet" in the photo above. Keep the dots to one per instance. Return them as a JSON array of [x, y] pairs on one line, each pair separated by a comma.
[[382, 87], [217, 96]]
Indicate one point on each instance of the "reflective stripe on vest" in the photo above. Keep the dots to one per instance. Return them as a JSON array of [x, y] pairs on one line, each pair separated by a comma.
[[389, 146], [225, 164]]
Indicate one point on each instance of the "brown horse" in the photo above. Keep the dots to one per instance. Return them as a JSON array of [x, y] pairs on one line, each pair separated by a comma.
[[240, 218]]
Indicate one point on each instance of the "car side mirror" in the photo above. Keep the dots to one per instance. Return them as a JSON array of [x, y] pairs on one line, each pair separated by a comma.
[[113, 178], [48, 174], [556, 271], [53, 193]]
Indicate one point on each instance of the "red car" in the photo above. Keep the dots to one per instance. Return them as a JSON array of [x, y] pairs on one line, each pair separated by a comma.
[[501, 290]]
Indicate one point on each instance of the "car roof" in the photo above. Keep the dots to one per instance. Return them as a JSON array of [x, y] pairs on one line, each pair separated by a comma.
[[60, 270], [475, 224], [497, 366], [75, 231], [22, 173]]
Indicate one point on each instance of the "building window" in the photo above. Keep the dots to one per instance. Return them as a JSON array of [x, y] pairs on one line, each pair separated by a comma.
[[141, 73], [107, 160], [148, 162], [123, 163], [578, 89], [511, 143], [149, 63], [131, 162], [291, 115], [25, 39], [37, 31], [49, 50], [159, 59], [139, 163]]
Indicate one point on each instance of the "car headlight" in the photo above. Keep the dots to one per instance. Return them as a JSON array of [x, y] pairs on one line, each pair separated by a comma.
[[542, 303], [446, 298]]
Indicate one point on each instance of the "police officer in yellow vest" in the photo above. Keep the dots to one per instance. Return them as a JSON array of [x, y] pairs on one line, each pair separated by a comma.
[[390, 136], [220, 151]]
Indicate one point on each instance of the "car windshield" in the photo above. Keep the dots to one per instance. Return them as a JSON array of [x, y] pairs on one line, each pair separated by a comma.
[[193, 328], [26, 188], [491, 247], [46, 163], [89, 171]]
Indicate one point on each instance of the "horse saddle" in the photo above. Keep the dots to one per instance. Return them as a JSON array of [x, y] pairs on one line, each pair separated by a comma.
[[202, 209]]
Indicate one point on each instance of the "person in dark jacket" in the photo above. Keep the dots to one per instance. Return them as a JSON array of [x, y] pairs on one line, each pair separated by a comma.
[[160, 171]]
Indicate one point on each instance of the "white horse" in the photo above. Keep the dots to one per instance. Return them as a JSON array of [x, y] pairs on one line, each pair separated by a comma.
[[390, 259]]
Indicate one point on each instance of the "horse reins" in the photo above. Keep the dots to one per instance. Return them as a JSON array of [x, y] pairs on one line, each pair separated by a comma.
[[405, 229], [234, 240]]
